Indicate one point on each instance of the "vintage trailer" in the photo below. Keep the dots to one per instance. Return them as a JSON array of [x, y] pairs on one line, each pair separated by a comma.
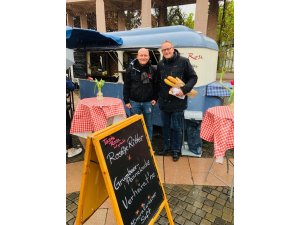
[[110, 62]]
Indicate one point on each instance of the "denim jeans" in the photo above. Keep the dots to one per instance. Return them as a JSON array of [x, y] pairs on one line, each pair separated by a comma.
[[172, 130], [146, 109], [193, 136]]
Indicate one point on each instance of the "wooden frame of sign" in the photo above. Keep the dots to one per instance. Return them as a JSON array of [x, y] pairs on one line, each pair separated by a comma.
[[127, 174]]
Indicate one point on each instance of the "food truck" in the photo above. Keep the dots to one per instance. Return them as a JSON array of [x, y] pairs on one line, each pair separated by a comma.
[[109, 62]]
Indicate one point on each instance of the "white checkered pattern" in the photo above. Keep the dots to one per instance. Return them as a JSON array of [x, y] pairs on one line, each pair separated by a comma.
[[216, 89]]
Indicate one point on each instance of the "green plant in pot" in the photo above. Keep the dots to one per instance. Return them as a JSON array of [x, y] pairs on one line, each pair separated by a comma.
[[99, 85]]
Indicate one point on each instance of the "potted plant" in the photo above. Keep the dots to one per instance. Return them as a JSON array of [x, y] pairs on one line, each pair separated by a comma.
[[99, 85]]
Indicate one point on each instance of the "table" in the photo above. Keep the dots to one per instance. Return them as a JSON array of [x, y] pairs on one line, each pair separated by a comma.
[[218, 127], [217, 89], [92, 115]]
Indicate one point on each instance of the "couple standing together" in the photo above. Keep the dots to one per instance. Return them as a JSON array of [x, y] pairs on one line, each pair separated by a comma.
[[144, 86]]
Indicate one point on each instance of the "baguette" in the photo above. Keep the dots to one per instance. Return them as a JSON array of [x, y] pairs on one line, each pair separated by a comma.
[[172, 79], [192, 93], [168, 82], [177, 82]]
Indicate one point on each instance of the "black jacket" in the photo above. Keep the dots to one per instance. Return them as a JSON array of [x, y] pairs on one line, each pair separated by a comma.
[[177, 66], [140, 83]]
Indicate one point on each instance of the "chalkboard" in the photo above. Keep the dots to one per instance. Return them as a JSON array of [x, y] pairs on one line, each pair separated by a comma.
[[80, 66], [133, 174]]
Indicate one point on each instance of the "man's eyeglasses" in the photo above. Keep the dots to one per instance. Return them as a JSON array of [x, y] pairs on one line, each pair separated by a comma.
[[166, 49]]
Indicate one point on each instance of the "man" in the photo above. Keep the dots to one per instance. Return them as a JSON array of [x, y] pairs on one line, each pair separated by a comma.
[[172, 106], [141, 88]]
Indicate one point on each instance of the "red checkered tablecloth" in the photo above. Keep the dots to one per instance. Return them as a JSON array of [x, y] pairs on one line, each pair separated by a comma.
[[92, 114], [218, 127]]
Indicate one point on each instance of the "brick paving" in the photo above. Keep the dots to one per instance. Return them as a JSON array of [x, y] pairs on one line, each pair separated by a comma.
[[190, 205]]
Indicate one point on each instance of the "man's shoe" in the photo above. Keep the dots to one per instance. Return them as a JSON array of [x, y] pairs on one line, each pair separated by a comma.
[[162, 152], [175, 156], [73, 152]]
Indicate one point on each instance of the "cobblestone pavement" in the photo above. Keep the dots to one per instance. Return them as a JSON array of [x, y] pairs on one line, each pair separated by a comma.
[[190, 205]]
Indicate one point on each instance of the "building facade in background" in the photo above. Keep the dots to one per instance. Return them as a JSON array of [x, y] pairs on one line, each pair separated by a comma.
[[113, 11]]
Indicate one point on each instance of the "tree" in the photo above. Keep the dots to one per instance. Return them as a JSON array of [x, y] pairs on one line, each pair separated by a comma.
[[175, 16], [225, 26], [225, 30], [154, 17], [189, 22], [91, 21], [111, 21], [132, 19]]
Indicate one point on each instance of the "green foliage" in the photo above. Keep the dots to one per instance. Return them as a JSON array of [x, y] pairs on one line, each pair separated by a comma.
[[99, 84], [132, 19], [231, 91], [226, 23], [189, 22], [175, 16], [225, 31]]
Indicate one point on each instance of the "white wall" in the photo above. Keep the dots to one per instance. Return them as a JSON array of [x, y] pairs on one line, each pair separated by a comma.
[[204, 62]]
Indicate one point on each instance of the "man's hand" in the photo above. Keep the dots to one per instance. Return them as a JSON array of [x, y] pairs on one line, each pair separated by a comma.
[[180, 93], [178, 83], [128, 105], [177, 91]]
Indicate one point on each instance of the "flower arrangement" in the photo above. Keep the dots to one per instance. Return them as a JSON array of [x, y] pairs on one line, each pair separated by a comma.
[[99, 85]]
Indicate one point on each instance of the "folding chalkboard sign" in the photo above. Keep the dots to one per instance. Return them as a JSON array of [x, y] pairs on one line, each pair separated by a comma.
[[80, 68], [123, 156]]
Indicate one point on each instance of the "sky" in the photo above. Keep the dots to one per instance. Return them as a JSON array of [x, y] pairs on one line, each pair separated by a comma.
[[187, 9], [190, 8]]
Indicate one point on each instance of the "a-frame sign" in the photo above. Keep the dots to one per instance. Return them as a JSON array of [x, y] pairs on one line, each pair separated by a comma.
[[119, 163]]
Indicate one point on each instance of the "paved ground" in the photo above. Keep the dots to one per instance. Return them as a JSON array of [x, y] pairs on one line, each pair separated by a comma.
[[190, 204]]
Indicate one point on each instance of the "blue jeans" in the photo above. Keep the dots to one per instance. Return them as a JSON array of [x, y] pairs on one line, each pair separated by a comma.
[[172, 130], [146, 109]]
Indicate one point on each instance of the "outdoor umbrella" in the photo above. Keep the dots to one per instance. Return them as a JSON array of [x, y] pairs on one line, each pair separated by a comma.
[[85, 38], [69, 57]]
